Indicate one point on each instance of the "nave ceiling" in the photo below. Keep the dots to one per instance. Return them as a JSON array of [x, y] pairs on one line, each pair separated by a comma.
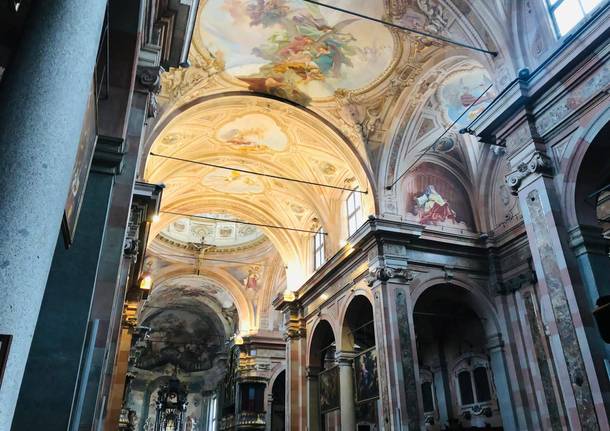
[[292, 89]]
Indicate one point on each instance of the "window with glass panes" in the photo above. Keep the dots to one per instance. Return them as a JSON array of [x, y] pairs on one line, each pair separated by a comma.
[[354, 212], [318, 249], [567, 13], [474, 386]]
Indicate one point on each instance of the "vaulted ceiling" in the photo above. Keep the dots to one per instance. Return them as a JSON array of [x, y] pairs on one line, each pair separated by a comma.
[[291, 89]]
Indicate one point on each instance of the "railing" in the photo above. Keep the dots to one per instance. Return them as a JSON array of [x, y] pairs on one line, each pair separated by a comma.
[[250, 418]]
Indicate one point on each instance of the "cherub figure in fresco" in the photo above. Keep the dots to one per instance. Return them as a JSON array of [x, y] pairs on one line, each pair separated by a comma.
[[432, 208], [304, 48]]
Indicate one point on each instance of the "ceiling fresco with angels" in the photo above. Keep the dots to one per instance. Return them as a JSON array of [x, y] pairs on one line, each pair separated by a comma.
[[297, 50]]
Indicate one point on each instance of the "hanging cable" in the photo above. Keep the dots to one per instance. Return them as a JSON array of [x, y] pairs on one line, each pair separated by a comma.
[[243, 222], [186, 256], [400, 27], [439, 138], [245, 171]]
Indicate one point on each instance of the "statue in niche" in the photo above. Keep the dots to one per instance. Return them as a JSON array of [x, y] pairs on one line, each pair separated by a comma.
[[432, 208]]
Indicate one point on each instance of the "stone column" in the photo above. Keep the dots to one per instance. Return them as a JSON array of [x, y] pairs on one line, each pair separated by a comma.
[[581, 373], [399, 388], [442, 386], [313, 404], [346, 390], [63, 318], [495, 348], [42, 105], [269, 410], [296, 412]]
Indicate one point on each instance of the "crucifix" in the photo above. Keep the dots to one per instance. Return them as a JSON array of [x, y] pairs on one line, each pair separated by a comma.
[[199, 249]]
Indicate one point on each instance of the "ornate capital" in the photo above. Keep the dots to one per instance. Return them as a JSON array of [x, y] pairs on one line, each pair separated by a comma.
[[294, 324], [538, 163], [385, 273]]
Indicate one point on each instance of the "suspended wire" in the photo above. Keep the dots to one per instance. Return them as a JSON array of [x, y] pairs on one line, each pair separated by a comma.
[[246, 171], [439, 138], [186, 256], [400, 27], [243, 222]]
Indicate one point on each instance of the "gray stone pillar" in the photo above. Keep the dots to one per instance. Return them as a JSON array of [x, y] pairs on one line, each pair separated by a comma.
[[42, 104], [51, 373], [346, 390]]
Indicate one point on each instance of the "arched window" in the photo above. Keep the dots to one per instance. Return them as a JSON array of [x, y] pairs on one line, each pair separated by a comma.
[[354, 212], [318, 249], [565, 14], [473, 381]]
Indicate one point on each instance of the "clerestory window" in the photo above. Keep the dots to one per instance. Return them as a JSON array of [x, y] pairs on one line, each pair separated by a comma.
[[565, 14], [354, 212], [318, 249]]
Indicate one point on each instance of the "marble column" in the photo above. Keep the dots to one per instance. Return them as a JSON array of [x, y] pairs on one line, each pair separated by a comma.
[[495, 349], [269, 409], [575, 344], [296, 413], [313, 400], [345, 361], [42, 105], [399, 388], [442, 387]]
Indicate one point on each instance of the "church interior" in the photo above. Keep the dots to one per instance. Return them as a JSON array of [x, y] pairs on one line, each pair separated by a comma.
[[334, 215]]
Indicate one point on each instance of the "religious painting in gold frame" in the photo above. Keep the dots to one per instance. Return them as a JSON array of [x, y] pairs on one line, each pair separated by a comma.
[[365, 375], [80, 172], [329, 389]]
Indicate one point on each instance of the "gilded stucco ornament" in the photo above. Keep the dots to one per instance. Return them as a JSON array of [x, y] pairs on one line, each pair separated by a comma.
[[180, 80], [538, 163]]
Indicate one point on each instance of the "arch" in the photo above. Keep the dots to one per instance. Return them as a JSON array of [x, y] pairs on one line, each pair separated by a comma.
[[442, 179], [575, 153], [223, 281], [351, 153], [481, 304], [322, 335], [357, 309], [480, 333]]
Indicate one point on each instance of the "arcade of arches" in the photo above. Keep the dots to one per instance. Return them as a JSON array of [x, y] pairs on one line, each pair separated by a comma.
[[334, 224]]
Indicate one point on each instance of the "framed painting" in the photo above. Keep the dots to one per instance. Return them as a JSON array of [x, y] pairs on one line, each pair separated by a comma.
[[328, 381], [80, 172], [365, 373], [5, 344]]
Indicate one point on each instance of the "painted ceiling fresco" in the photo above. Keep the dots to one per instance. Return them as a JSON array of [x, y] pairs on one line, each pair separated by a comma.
[[253, 132], [434, 197], [297, 50], [460, 90], [189, 291], [185, 339], [217, 233]]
